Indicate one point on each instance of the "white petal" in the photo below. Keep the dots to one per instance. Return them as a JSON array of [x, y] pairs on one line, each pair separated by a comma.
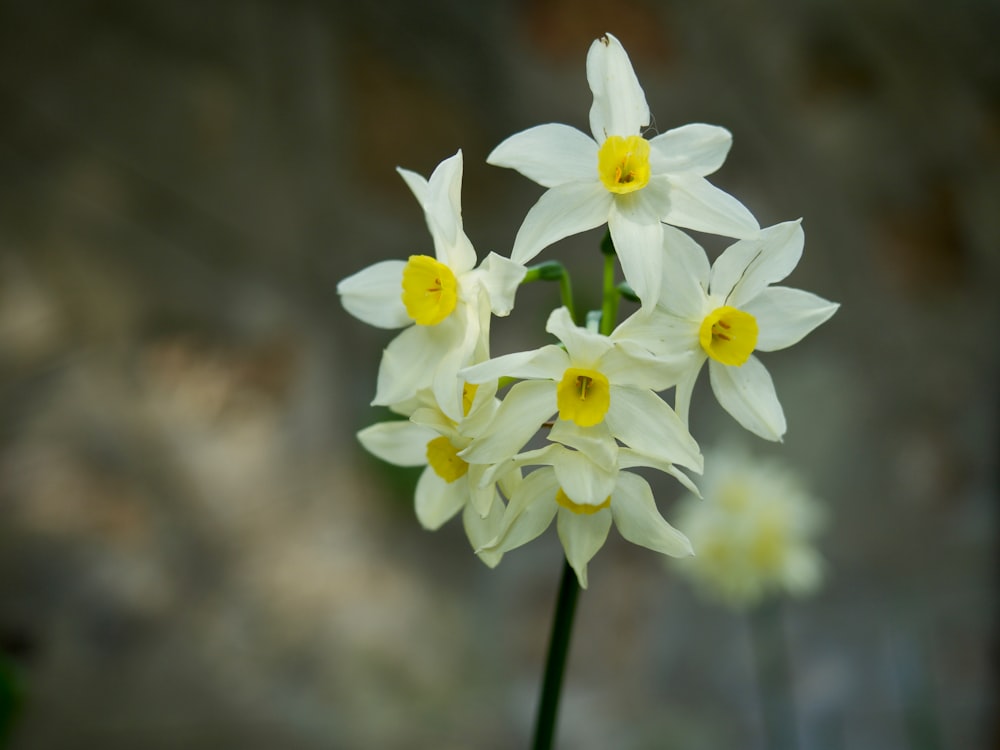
[[582, 536], [663, 334], [500, 278], [481, 530], [697, 204], [632, 365], [526, 406], [596, 443], [745, 268], [561, 211], [417, 184], [784, 316], [549, 362], [747, 393], [437, 500], [529, 512], [629, 459], [402, 443], [638, 520], [411, 359], [619, 106], [549, 154], [696, 148], [644, 422], [685, 388], [639, 246], [582, 480], [686, 274], [585, 348], [375, 295]]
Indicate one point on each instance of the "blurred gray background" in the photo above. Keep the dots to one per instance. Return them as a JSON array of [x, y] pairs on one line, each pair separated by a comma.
[[195, 552]]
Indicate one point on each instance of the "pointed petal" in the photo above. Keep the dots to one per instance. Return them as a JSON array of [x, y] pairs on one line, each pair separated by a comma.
[[639, 245], [638, 520], [686, 274], [561, 211], [697, 148], [630, 364], [549, 154], [697, 204], [747, 393], [402, 443], [437, 500], [664, 334], [644, 422], [411, 359], [785, 316], [582, 536], [375, 295], [528, 514], [582, 479], [629, 459], [596, 443], [483, 529], [619, 106], [585, 348], [527, 405], [548, 363], [745, 268], [685, 389], [444, 216], [500, 278]]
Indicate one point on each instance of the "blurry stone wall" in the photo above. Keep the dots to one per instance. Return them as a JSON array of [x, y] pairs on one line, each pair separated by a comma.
[[194, 551]]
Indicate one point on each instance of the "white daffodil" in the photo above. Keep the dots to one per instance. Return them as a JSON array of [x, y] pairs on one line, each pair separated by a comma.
[[753, 530], [621, 178], [444, 302], [449, 484], [724, 313], [583, 526], [603, 392]]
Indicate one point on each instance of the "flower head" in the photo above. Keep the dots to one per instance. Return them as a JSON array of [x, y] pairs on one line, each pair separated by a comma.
[[619, 177], [443, 302], [724, 313], [752, 530]]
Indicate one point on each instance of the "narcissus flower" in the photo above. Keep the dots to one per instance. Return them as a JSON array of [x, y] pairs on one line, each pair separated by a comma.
[[444, 302], [753, 530], [449, 484], [603, 392], [583, 526], [724, 313], [621, 178]]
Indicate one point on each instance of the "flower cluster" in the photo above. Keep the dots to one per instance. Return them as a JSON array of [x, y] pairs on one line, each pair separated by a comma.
[[592, 403]]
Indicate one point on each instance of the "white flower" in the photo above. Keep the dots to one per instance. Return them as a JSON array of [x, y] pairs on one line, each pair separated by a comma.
[[449, 484], [583, 526], [753, 530], [724, 313], [444, 302], [621, 178], [603, 392]]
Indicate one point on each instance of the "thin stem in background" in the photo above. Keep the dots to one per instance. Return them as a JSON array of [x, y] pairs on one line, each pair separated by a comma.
[[555, 663]]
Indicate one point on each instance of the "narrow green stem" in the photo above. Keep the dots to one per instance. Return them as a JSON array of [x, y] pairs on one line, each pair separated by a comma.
[[553, 270], [609, 305], [555, 663]]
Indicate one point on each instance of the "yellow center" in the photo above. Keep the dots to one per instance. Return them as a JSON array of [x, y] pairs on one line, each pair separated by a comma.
[[430, 290], [468, 396], [583, 396], [443, 458], [623, 163], [728, 335], [587, 510]]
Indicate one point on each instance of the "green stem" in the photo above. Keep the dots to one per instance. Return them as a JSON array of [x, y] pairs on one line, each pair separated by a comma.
[[553, 270], [609, 305], [555, 664]]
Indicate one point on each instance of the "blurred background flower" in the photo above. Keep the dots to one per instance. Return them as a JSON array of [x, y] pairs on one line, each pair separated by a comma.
[[196, 552]]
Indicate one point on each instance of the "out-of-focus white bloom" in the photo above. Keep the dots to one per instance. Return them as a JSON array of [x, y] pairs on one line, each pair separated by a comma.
[[620, 178], [444, 302], [583, 524], [724, 313], [449, 484], [752, 531]]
